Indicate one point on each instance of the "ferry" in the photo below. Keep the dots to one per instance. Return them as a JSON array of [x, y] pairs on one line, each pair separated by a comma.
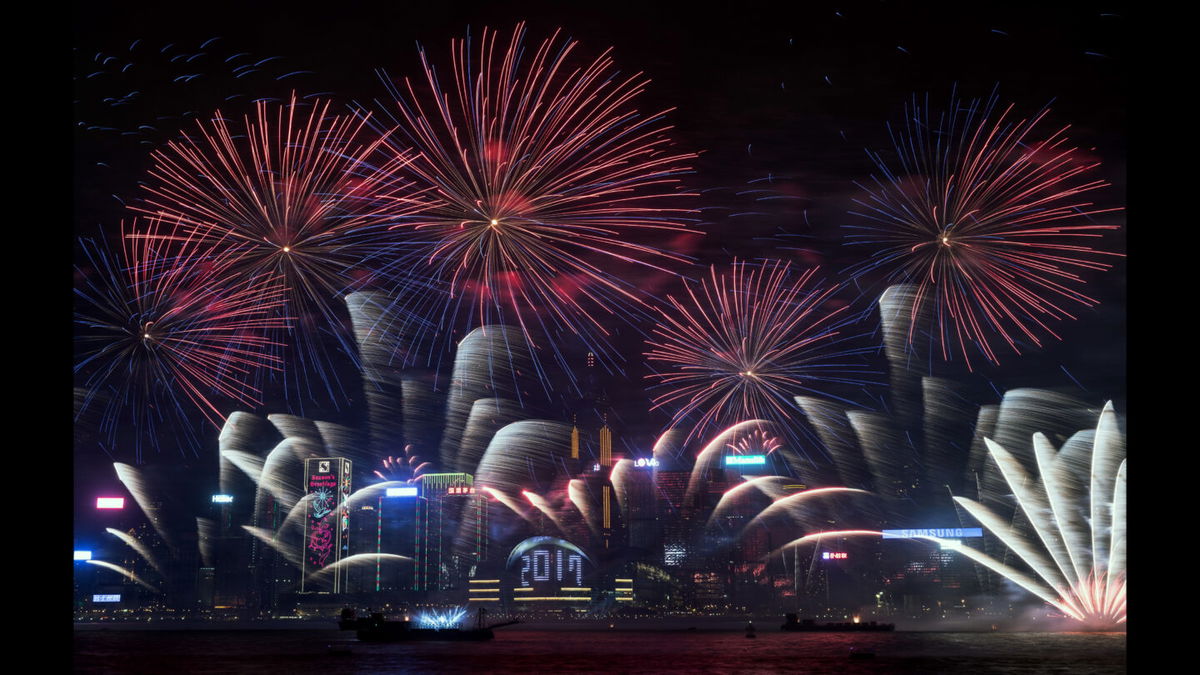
[[809, 625]]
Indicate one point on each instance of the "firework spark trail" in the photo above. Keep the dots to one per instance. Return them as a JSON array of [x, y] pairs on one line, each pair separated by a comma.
[[295, 198], [981, 218], [124, 572], [142, 489], [817, 536], [1079, 559], [136, 545], [747, 343], [538, 175], [579, 496], [404, 468], [290, 553], [770, 487], [709, 456], [793, 502], [157, 333], [542, 505], [509, 502], [401, 406], [237, 445], [487, 364], [364, 560]]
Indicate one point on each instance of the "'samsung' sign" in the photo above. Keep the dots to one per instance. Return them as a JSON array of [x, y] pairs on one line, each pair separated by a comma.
[[939, 532]]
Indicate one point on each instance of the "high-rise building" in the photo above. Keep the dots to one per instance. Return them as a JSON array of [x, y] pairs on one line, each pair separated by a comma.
[[326, 524], [451, 533]]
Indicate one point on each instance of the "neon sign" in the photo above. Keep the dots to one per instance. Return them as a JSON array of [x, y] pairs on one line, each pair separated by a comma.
[[106, 598], [643, 461], [740, 460], [834, 555], [326, 532], [402, 492], [222, 499], [460, 490], [110, 502], [83, 555], [535, 566], [546, 562], [939, 532]]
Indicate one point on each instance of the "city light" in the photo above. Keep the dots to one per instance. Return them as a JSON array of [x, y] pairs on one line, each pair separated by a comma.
[[110, 502], [402, 492], [740, 460], [939, 532]]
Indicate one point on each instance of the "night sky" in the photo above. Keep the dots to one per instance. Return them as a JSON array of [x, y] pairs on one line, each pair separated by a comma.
[[777, 96]]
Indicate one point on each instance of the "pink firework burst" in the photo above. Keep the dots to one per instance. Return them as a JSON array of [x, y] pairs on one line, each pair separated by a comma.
[[292, 196], [746, 342], [757, 442], [156, 338], [988, 216], [542, 182]]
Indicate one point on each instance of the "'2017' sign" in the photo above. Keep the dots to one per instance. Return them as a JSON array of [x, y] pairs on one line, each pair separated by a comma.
[[536, 566]]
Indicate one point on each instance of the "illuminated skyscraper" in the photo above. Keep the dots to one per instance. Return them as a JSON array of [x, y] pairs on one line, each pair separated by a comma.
[[326, 523], [452, 531]]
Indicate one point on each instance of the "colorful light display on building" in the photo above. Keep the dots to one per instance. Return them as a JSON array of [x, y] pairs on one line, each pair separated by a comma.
[[939, 532], [326, 531], [745, 460], [547, 569]]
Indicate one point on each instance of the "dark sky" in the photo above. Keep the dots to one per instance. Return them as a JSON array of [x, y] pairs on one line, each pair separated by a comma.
[[793, 91]]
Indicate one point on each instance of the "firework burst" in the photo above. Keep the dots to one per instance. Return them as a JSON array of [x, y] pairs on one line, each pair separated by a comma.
[[1074, 539], [987, 215], [293, 197], [157, 339], [757, 442], [747, 342], [539, 176], [406, 467]]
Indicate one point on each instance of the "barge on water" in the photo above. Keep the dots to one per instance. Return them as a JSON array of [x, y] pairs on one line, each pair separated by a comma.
[[810, 625], [375, 628]]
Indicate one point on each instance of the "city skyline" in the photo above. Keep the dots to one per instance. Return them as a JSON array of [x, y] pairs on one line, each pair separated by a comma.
[[668, 295]]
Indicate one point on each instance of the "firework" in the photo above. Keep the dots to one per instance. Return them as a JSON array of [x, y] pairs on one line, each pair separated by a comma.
[[989, 217], [1075, 508], [757, 442], [748, 341], [406, 467], [157, 339], [294, 198], [539, 176]]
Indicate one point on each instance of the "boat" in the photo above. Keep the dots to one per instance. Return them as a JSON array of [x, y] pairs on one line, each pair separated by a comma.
[[859, 653], [794, 624], [376, 628]]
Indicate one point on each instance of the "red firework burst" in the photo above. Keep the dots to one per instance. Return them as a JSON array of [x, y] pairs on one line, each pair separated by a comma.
[[295, 197], [987, 218], [747, 343], [539, 175], [157, 337]]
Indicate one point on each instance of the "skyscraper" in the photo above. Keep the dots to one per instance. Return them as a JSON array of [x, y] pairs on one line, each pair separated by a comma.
[[326, 523]]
